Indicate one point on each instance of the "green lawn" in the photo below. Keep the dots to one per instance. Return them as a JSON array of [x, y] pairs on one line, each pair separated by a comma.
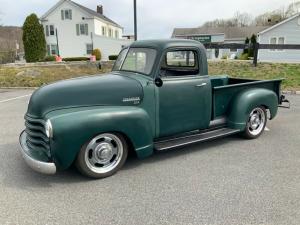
[[38, 75], [291, 72]]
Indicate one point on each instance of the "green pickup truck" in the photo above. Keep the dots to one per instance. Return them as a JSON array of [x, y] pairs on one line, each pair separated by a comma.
[[157, 97]]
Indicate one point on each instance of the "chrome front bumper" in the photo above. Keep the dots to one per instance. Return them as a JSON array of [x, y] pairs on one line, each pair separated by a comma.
[[34, 160]]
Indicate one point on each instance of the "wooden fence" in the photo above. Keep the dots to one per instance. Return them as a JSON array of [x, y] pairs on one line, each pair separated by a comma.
[[255, 47]]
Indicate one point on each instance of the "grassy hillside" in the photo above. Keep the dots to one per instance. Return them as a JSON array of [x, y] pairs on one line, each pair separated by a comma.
[[35, 76], [291, 72]]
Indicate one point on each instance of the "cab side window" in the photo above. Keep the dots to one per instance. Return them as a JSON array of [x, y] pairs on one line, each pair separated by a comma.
[[180, 63]]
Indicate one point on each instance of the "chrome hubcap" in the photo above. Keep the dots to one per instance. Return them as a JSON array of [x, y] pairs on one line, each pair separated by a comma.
[[103, 153], [256, 121]]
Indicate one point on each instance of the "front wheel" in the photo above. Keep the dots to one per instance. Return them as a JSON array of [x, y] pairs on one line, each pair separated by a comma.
[[102, 156], [256, 123]]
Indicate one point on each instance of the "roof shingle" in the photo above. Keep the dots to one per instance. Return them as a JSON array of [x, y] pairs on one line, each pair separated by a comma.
[[230, 32]]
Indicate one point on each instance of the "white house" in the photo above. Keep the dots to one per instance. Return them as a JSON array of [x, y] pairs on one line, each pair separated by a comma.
[[285, 32], [73, 30], [218, 35]]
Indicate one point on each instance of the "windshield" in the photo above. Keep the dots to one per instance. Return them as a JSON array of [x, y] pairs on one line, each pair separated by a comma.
[[139, 60]]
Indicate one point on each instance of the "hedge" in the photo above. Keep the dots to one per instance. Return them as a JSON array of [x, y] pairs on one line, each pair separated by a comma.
[[113, 57], [73, 59], [49, 58]]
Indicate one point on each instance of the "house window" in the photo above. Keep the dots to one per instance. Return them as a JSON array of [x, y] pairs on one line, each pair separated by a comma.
[[116, 34], [110, 32], [273, 41], [51, 28], [104, 31], [89, 49], [66, 14], [82, 29], [50, 31], [278, 41], [52, 49], [281, 41]]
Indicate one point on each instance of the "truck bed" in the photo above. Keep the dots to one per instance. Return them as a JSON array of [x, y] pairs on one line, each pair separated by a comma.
[[225, 88]]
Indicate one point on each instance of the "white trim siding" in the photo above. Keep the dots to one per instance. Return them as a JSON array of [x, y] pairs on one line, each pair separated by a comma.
[[289, 32]]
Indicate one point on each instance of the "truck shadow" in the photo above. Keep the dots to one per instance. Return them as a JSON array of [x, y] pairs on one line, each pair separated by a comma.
[[158, 156], [17, 174]]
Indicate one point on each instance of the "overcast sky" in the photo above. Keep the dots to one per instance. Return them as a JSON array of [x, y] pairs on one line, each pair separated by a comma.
[[156, 18]]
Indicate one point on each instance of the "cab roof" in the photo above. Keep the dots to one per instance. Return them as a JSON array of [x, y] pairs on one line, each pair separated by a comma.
[[167, 43]]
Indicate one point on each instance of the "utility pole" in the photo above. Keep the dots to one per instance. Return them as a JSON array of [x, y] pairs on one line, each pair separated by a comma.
[[92, 38], [135, 20], [57, 42]]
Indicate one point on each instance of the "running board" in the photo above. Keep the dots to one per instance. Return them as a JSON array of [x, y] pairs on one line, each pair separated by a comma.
[[193, 138]]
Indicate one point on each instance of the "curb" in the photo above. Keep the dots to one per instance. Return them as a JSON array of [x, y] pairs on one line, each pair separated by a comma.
[[26, 88], [291, 92]]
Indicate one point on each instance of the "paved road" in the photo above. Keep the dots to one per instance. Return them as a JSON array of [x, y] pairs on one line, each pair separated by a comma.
[[229, 181]]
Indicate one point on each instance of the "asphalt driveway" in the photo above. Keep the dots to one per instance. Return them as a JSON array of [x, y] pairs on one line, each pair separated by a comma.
[[228, 181]]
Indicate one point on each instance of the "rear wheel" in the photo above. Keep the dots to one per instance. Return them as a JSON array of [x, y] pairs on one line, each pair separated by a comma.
[[102, 156], [256, 123]]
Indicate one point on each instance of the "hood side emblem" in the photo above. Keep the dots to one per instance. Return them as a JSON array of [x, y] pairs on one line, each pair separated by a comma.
[[135, 100]]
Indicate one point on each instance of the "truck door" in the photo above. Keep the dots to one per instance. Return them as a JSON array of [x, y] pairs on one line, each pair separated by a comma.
[[185, 97]]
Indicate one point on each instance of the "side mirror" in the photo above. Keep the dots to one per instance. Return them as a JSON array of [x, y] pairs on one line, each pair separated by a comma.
[[158, 82]]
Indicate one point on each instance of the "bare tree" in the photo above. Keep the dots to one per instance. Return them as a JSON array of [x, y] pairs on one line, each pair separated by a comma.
[[242, 19], [245, 19], [270, 18], [292, 9]]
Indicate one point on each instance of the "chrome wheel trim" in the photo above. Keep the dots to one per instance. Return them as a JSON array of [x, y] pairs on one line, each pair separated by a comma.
[[103, 153], [256, 121]]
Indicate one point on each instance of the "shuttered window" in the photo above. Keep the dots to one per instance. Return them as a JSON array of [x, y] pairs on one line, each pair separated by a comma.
[[66, 14], [51, 30], [47, 30], [62, 14], [104, 31], [52, 49], [86, 29], [89, 49], [116, 34], [82, 29]]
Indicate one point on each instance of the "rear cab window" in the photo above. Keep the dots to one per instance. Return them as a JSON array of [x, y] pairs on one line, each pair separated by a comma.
[[180, 63]]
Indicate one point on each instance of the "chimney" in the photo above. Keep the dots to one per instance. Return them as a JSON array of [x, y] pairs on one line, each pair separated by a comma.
[[100, 9]]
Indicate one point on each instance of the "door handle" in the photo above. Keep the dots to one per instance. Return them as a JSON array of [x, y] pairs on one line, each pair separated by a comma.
[[201, 85]]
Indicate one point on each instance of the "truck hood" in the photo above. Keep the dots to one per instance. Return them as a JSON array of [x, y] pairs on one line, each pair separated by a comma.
[[100, 90]]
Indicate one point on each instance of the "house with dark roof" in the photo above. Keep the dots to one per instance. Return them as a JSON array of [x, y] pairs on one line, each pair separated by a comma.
[[73, 30], [285, 32], [219, 35]]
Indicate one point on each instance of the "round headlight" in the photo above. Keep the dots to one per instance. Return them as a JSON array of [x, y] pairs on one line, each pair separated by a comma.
[[48, 129]]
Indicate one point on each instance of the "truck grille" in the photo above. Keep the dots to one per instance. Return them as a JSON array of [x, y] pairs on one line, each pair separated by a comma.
[[36, 136]]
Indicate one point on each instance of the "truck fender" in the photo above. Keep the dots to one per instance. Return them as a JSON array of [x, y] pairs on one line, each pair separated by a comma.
[[242, 104], [72, 130]]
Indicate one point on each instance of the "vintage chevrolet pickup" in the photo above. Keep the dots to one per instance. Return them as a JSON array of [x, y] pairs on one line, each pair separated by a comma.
[[157, 97]]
